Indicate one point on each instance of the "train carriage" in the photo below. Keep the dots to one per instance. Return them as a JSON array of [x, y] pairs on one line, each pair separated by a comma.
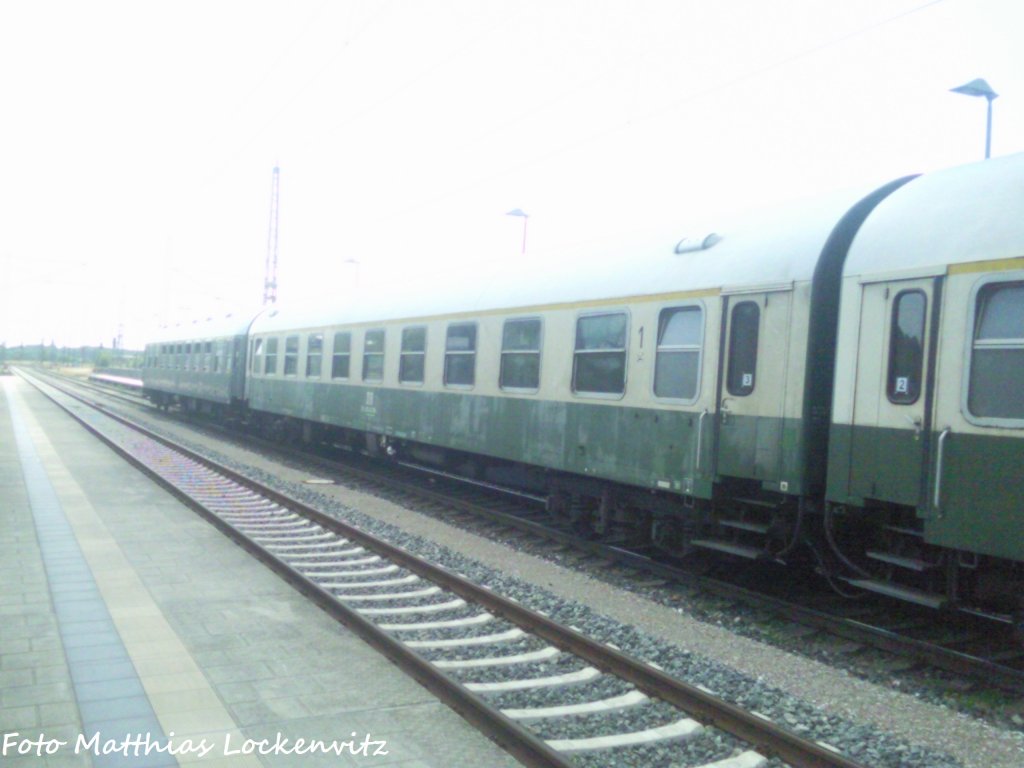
[[928, 417], [642, 387], [201, 365], [838, 380]]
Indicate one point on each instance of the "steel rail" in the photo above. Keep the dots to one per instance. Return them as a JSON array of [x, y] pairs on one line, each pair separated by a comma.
[[990, 672], [765, 735], [519, 742]]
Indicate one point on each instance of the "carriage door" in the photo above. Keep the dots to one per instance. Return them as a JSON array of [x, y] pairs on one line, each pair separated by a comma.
[[891, 419], [752, 386]]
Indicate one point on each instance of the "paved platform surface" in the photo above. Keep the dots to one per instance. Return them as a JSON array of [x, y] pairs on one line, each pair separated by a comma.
[[127, 623]]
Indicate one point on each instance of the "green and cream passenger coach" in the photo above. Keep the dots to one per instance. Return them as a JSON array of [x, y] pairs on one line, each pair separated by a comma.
[[927, 438], [837, 382]]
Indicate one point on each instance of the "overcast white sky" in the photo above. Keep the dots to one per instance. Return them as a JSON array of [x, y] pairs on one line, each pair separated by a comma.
[[138, 138]]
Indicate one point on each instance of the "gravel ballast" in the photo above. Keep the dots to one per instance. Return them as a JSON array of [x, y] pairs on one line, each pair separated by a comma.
[[878, 725]]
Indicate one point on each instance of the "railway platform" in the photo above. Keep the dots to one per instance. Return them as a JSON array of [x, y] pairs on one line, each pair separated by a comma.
[[132, 633]]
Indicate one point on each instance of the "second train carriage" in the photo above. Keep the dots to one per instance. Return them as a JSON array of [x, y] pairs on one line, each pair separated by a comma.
[[927, 440]]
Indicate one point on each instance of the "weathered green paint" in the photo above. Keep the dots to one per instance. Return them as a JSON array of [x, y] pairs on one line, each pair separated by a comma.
[[875, 463], [220, 387], [202, 385], [639, 446], [980, 507], [762, 448], [981, 497]]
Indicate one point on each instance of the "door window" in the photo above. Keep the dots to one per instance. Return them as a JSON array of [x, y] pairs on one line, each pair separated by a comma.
[[743, 332], [906, 347]]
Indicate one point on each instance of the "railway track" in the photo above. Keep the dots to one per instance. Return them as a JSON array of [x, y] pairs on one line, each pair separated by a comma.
[[540, 689], [965, 645]]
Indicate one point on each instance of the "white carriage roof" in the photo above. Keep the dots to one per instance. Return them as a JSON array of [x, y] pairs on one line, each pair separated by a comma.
[[963, 214], [234, 324], [770, 249]]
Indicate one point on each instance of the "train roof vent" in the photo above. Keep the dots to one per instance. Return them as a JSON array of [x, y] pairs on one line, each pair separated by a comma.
[[691, 244]]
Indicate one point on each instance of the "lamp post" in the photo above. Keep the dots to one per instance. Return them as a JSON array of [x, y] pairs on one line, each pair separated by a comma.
[[526, 217], [979, 87]]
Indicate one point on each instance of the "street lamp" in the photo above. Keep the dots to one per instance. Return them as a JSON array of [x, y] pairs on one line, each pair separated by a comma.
[[980, 88], [526, 217]]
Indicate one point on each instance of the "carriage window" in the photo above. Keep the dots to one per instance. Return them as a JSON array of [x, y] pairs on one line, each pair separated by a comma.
[[373, 355], [414, 345], [460, 355], [341, 355], [599, 362], [743, 331], [906, 347], [257, 356], [291, 355], [997, 354], [314, 355], [520, 354], [271, 357], [677, 364]]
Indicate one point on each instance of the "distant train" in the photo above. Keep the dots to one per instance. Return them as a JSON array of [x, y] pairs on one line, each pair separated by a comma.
[[841, 383]]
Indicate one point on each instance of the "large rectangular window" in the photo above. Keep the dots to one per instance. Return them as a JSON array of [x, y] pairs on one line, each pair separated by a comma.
[[997, 353], [460, 355], [341, 356], [677, 362], [414, 348], [373, 355], [291, 355], [599, 362], [906, 347], [314, 355], [520, 354], [271, 357], [743, 335]]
